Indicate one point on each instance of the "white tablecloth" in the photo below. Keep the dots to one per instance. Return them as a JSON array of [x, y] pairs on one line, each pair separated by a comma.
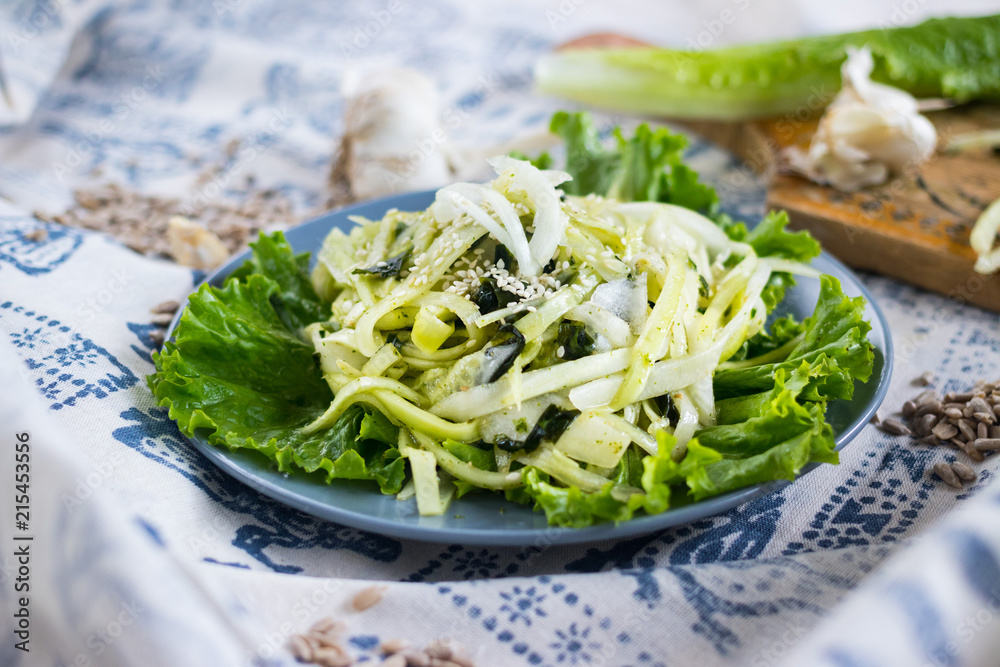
[[144, 553]]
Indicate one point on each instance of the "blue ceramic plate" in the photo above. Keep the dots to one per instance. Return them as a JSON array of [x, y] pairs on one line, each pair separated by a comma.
[[488, 519]]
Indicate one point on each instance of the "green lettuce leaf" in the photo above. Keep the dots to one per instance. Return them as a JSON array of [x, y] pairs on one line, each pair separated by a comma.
[[739, 409], [646, 161], [750, 425], [782, 461], [780, 332], [592, 166], [572, 508], [770, 238], [628, 472], [661, 472], [238, 373], [836, 334], [644, 167], [296, 302]]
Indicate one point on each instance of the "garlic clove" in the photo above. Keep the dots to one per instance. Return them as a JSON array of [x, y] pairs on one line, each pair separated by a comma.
[[868, 132], [193, 245]]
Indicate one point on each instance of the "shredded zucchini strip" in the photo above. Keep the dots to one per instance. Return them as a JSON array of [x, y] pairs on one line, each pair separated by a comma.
[[655, 337]]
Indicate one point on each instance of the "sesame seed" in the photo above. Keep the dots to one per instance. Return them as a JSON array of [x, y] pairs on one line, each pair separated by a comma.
[[561, 351]]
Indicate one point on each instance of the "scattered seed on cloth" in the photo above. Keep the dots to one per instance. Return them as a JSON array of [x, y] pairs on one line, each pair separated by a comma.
[[895, 427], [945, 472], [367, 598], [964, 472]]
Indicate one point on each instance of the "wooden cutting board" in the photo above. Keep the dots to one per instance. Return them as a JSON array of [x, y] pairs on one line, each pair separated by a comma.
[[914, 228]]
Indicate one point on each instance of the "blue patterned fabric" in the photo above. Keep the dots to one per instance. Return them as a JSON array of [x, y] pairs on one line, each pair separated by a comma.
[[149, 93]]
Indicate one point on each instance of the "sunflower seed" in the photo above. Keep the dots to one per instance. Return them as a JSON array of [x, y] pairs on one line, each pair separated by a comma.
[[37, 235], [165, 307], [966, 427], [328, 625], [397, 660], [929, 440], [944, 471], [417, 659], [924, 425], [987, 444], [441, 649], [985, 417], [156, 337], [967, 411], [924, 379], [970, 450], [367, 598], [300, 648], [895, 427], [909, 408], [994, 431], [161, 319], [944, 431], [963, 397], [979, 404], [954, 406], [964, 472], [876, 420], [329, 639], [953, 413], [394, 645], [924, 396], [982, 430], [929, 408], [332, 657]]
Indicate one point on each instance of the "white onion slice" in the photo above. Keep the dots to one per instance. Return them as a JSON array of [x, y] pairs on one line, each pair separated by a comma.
[[550, 220]]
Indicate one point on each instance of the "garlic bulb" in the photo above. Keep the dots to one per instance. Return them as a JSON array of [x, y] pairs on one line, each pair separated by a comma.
[[869, 132], [393, 137]]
